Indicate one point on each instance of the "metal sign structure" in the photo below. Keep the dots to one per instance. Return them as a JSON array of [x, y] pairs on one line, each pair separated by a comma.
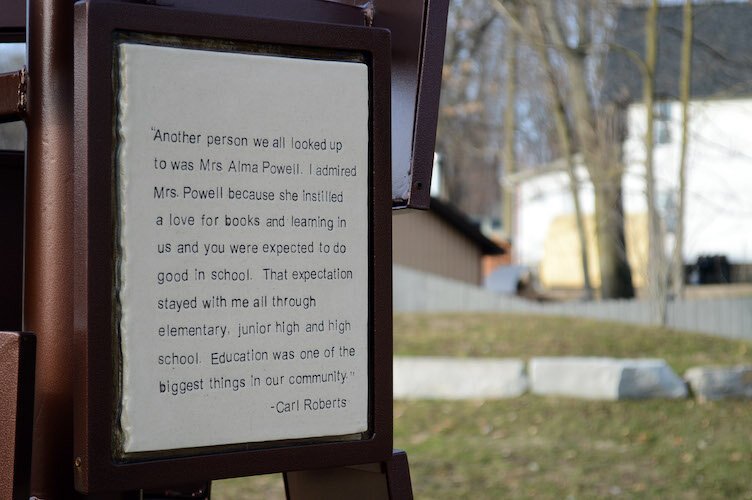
[[40, 183], [123, 440]]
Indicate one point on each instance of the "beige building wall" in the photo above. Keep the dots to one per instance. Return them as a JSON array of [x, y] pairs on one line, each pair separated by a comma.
[[423, 241], [561, 266]]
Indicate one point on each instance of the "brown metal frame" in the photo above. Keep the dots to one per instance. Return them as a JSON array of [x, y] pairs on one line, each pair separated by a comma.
[[430, 64], [95, 396], [388, 480], [418, 29], [17, 357], [48, 240]]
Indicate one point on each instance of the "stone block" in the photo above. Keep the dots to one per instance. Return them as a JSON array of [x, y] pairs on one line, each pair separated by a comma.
[[720, 382], [605, 378], [457, 378]]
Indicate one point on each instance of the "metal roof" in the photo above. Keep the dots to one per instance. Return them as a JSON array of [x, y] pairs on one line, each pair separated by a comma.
[[721, 53], [458, 220]]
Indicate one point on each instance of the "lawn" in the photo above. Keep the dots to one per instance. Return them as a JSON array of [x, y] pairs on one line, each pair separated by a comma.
[[512, 335], [533, 447]]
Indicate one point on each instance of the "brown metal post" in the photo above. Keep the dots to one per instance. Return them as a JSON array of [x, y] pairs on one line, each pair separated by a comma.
[[389, 480], [48, 280]]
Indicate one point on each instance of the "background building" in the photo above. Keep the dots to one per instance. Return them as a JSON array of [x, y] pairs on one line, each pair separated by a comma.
[[718, 213]]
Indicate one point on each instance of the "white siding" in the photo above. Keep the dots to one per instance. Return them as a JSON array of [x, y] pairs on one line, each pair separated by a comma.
[[719, 175], [719, 192]]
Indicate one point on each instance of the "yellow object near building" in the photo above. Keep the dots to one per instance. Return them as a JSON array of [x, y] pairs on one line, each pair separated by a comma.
[[561, 266]]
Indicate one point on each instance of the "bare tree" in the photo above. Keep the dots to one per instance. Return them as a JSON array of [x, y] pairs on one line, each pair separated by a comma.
[[677, 260], [510, 127], [659, 267], [657, 282], [567, 33], [470, 123], [565, 134], [475, 145]]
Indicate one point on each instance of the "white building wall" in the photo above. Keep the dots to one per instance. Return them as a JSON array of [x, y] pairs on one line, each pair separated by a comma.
[[539, 201], [718, 215]]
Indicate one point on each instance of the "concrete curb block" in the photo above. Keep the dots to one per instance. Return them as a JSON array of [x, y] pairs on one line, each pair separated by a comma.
[[592, 378], [605, 378], [457, 378], [710, 383]]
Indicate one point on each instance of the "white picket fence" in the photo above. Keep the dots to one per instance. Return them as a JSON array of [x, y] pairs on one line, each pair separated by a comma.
[[725, 317]]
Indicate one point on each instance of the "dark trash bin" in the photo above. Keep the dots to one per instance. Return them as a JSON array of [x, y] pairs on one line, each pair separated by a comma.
[[713, 269]]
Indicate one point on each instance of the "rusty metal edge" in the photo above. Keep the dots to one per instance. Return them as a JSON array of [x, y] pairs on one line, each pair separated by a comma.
[[12, 96]]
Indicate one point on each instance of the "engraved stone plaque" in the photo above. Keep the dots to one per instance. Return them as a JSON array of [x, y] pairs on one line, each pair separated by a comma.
[[242, 245]]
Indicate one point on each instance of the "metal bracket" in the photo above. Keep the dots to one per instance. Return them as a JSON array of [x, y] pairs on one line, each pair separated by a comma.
[[13, 96]]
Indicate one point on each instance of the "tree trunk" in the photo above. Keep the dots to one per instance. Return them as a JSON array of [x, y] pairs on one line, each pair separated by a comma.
[[565, 133], [600, 150], [616, 276], [510, 126], [684, 89], [599, 147], [657, 284], [574, 188]]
